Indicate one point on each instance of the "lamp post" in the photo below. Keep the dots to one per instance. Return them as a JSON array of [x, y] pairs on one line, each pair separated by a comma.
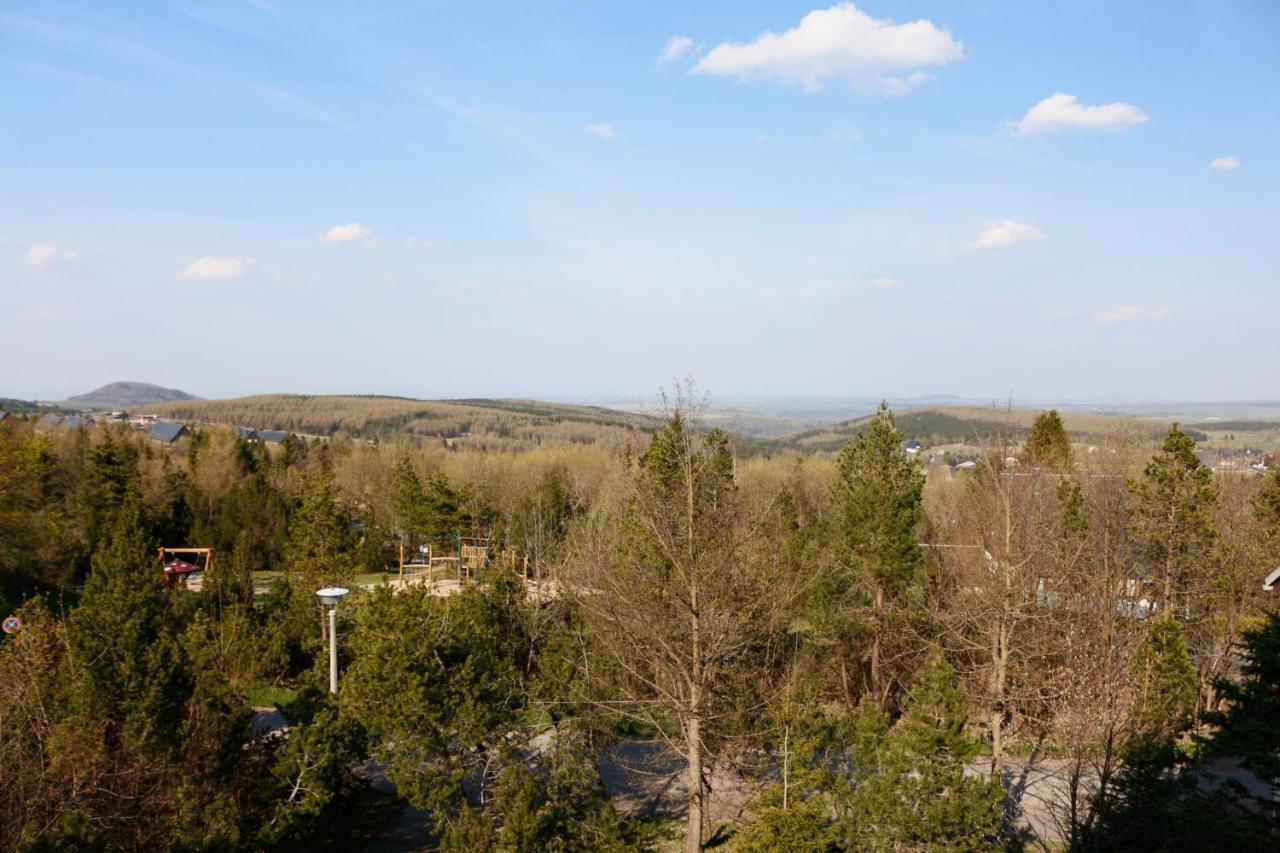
[[331, 596]]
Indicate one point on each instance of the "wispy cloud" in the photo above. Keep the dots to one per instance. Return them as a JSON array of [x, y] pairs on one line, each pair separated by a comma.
[[1225, 164], [840, 43], [1002, 233], [1065, 112], [217, 269], [886, 283], [1129, 314], [43, 256], [675, 48], [845, 133], [352, 232], [602, 130]]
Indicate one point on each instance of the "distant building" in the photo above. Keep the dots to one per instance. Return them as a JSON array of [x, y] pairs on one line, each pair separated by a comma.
[[48, 422], [71, 422], [914, 447], [247, 433], [166, 433], [273, 436]]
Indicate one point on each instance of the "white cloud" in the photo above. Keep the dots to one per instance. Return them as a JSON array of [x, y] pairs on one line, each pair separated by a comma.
[[1129, 314], [1005, 232], [217, 269], [351, 232], [603, 130], [842, 43], [886, 283], [846, 133], [1065, 112], [43, 256], [419, 243], [676, 47], [1224, 164]]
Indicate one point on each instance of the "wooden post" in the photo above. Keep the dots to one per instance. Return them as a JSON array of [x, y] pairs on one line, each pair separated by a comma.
[[401, 559], [431, 570]]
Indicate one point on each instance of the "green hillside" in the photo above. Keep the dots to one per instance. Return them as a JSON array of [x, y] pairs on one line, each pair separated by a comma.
[[968, 425], [479, 423]]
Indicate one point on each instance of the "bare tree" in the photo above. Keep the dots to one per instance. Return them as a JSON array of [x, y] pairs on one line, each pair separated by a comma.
[[675, 599]]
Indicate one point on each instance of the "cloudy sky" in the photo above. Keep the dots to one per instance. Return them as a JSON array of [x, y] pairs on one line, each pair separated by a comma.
[[475, 198]]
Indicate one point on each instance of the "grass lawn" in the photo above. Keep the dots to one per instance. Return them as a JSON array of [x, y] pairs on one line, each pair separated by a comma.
[[270, 696]]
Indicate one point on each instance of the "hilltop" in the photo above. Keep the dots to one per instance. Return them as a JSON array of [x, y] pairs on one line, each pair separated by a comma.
[[127, 395], [476, 423], [971, 424]]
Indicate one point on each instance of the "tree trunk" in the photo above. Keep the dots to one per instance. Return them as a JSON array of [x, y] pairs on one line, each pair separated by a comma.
[[999, 671], [877, 632], [693, 746]]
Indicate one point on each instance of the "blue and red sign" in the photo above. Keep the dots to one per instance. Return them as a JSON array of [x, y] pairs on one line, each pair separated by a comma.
[[11, 625]]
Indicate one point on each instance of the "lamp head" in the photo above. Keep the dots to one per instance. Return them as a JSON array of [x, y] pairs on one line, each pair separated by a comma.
[[331, 595]]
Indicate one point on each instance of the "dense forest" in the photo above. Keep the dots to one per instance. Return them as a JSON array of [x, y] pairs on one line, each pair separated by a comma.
[[479, 424], [824, 652]]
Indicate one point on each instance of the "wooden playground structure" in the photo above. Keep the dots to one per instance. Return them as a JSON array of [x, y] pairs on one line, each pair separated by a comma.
[[461, 557], [175, 567]]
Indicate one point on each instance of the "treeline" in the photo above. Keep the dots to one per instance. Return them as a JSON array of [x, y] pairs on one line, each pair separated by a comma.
[[879, 659]]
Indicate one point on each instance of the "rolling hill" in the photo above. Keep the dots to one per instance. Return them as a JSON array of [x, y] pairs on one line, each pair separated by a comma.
[[968, 425], [127, 395], [481, 424]]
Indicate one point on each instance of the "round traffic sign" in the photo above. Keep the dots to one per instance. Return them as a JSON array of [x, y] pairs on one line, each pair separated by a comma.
[[11, 625]]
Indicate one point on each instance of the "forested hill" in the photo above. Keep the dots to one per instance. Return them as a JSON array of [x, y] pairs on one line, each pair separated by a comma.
[[483, 424], [965, 425], [126, 395]]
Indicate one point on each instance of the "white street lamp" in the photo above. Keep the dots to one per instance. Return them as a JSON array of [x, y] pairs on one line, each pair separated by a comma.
[[331, 596]]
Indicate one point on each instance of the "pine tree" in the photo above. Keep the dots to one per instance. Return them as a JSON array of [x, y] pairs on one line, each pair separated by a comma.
[[917, 797], [1171, 522], [1166, 685], [319, 544], [110, 471], [1266, 509], [877, 501], [408, 503], [1150, 803], [1048, 445], [124, 635]]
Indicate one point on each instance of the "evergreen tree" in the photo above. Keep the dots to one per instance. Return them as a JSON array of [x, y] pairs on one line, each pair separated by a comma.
[[1266, 509], [124, 635], [436, 683], [110, 472], [1154, 802], [1048, 445], [318, 549], [408, 502], [1250, 727], [917, 796], [1171, 521], [877, 504], [1165, 679]]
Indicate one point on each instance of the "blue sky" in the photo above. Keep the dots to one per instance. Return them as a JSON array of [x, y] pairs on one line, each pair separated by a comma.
[[478, 199]]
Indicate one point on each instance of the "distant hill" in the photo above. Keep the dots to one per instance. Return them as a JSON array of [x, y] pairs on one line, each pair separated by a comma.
[[128, 395], [969, 424], [475, 424]]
